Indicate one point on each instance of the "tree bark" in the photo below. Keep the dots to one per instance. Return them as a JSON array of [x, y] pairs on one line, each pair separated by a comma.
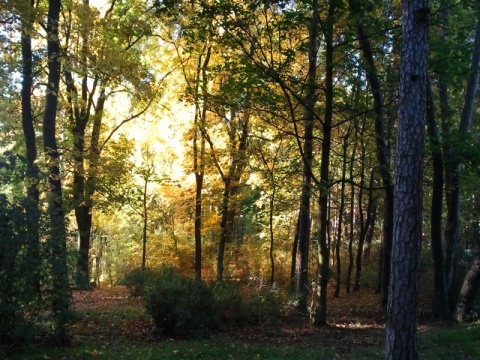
[[231, 182], [469, 291], [33, 196], [57, 238], [401, 329], [199, 153], [302, 285], [320, 314]]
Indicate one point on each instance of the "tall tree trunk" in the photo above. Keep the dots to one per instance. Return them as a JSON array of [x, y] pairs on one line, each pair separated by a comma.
[[32, 204], [231, 183], [401, 330], [302, 286], [441, 307], [56, 242], [320, 314], [383, 153], [199, 154]]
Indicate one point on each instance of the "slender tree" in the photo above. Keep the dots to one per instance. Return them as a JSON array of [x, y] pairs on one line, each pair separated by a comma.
[[33, 195], [58, 234], [320, 313]]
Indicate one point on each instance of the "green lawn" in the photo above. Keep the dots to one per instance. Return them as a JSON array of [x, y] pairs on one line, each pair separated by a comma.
[[456, 342]]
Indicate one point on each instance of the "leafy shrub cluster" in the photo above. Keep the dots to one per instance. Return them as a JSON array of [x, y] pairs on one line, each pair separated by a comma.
[[136, 280], [19, 299], [181, 305]]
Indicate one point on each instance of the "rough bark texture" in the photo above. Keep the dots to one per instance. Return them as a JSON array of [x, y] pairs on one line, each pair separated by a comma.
[[401, 330], [469, 291]]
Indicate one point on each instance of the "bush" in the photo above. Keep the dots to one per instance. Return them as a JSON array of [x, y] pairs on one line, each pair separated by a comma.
[[178, 304], [255, 303], [136, 280]]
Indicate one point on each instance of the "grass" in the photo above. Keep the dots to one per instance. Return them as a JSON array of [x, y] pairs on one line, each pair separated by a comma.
[[177, 350], [456, 342]]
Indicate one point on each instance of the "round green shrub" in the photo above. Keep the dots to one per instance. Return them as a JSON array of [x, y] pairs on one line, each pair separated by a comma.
[[178, 304], [136, 279]]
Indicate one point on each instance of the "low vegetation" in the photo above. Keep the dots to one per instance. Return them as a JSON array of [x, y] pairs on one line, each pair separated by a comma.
[[110, 323]]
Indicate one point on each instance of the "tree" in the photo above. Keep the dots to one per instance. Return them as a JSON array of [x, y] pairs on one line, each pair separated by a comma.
[[401, 330], [382, 148], [57, 237], [33, 194], [102, 59]]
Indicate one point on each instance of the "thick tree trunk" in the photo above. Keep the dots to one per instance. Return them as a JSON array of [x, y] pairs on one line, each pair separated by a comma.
[[401, 330], [57, 238]]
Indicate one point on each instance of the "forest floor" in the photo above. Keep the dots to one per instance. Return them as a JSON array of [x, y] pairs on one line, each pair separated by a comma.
[[110, 324]]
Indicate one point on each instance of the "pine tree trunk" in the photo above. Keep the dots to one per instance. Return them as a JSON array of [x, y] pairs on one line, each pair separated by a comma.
[[401, 330]]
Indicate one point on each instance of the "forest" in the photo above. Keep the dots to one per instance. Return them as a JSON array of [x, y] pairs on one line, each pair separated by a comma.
[[232, 164]]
